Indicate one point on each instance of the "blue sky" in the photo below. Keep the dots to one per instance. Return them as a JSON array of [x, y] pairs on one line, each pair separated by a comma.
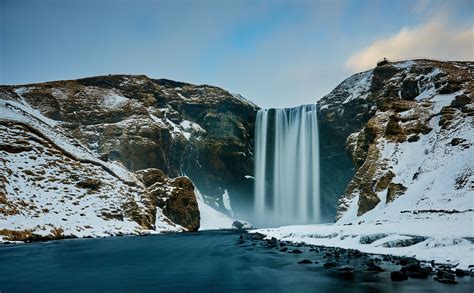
[[276, 53]]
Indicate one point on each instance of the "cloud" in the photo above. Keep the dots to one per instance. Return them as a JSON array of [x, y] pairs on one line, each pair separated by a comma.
[[433, 40]]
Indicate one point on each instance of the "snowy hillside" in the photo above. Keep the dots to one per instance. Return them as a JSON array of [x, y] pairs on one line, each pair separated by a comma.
[[53, 187], [180, 128]]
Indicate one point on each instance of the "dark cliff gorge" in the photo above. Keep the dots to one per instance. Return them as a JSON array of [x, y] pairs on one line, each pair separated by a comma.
[[200, 131]]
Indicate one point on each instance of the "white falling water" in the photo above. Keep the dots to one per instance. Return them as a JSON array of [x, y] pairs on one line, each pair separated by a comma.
[[287, 166]]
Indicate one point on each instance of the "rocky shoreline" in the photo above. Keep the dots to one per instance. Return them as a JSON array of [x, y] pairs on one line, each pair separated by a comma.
[[345, 263]]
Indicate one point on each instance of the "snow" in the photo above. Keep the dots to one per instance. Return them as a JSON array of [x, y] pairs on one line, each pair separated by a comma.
[[186, 128], [210, 218], [23, 112], [191, 126], [355, 87], [51, 193], [113, 101], [445, 241], [404, 64], [242, 99], [226, 201]]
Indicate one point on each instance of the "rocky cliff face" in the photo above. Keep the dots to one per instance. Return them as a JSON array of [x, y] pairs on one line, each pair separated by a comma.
[[51, 186], [408, 127], [95, 156], [201, 131]]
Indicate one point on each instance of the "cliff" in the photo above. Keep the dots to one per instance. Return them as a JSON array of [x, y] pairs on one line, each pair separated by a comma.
[[408, 127], [95, 156]]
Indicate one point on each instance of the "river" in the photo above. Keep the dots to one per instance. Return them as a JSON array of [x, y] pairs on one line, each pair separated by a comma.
[[186, 262]]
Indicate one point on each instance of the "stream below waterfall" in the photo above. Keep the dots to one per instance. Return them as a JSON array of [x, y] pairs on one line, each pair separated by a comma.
[[186, 262]]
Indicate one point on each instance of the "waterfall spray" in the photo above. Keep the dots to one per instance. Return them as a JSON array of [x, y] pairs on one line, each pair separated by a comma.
[[287, 166]]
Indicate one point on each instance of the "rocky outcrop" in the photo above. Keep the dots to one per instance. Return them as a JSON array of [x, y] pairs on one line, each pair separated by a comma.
[[399, 120], [198, 130], [175, 197]]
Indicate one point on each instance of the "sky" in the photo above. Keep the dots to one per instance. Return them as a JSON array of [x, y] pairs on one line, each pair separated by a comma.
[[276, 53]]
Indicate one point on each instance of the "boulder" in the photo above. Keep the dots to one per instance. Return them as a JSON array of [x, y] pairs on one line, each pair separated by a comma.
[[305, 261], [398, 276], [181, 205]]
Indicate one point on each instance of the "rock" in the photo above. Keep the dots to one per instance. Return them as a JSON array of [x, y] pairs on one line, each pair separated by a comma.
[[456, 141], [413, 138], [409, 89], [179, 204], [284, 249], [104, 157], [296, 251], [445, 274], [460, 101], [446, 281], [305, 261], [404, 261], [151, 176], [451, 87], [372, 267], [375, 268], [394, 131], [346, 269], [89, 183], [241, 225], [398, 276], [330, 264], [258, 236], [461, 273], [415, 271], [272, 242]]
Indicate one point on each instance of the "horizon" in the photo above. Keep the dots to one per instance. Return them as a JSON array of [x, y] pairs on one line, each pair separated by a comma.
[[273, 53]]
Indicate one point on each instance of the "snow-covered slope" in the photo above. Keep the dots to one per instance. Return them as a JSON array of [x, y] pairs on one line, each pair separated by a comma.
[[413, 190], [201, 130], [52, 186], [210, 218]]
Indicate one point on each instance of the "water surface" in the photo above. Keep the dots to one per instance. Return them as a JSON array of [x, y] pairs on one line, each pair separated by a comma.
[[188, 262]]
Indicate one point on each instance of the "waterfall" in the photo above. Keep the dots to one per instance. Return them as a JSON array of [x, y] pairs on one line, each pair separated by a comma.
[[287, 166]]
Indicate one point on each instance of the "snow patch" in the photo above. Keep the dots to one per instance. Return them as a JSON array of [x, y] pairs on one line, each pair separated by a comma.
[[210, 218], [114, 101]]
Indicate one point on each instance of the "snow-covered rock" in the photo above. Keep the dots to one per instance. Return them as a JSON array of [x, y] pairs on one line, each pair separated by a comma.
[[51, 186]]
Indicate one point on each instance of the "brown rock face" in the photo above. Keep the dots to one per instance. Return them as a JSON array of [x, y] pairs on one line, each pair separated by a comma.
[[181, 206], [175, 197], [394, 191]]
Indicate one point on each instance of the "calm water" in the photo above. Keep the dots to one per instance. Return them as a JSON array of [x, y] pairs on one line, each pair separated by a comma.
[[191, 262]]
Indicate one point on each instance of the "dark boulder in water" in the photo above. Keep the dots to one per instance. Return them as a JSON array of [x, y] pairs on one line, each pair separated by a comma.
[[398, 276], [372, 267], [461, 273], [305, 261], [330, 264], [414, 270], [345, 269]]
